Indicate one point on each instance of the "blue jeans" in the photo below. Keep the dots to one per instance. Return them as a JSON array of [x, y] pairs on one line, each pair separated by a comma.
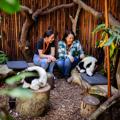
[[42, 62], [65, 65]]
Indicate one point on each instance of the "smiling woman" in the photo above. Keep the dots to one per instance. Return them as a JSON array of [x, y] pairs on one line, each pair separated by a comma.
[[10, 6], [45, 51]]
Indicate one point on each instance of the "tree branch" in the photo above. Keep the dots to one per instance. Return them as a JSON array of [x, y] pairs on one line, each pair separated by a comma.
[[88, 8], [74, 20], [113, 21], [26, 9], [39, 11], [57, 7], [77, 13], [105, 105]]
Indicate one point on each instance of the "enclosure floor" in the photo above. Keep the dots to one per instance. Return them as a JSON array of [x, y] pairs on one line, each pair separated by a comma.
[[64, 103]]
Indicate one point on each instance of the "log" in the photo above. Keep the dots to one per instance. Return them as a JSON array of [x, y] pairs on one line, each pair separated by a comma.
[[5, 71], [88, 105], [112, 100], [101, 90], [118, 75], [36, 105], [76, 79], [91, 89]]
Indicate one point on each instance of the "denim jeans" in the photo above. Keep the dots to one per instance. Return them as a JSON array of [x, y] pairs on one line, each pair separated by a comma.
[[42, 62], [65, 65]]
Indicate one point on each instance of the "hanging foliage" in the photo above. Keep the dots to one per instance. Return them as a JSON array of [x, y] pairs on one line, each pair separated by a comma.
[[10, 6], [113, 37]]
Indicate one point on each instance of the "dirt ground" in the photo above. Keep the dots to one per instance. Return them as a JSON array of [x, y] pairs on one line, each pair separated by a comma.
[[64, 103]]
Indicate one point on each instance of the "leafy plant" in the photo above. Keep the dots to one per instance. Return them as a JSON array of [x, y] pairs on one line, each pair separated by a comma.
[[3, 57], [18, 92], [10, 6], [113, 37], [113, 33]]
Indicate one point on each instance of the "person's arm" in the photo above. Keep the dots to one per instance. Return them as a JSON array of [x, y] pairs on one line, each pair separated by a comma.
[[82, 55], [53, 51], [41, 54]]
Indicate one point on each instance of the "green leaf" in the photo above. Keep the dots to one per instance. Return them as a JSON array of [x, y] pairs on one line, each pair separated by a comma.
[[99, 28], [112, 50], [10, 6], [110, 40], [103, 35], [20, 76], [17, 92]]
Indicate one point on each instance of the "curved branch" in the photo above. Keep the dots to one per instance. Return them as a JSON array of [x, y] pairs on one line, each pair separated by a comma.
[[74, 20], [113, 21], [26, 9], [105, 105], [77, 13], [57, 7], [39, 11], [88, 8]]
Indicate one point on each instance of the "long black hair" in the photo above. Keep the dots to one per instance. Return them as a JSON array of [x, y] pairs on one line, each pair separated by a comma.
[[49, 32], [67, 32]]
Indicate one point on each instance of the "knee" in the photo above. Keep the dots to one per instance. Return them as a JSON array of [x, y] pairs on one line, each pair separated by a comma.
[[44, 64], [59, 63], [67, 62]]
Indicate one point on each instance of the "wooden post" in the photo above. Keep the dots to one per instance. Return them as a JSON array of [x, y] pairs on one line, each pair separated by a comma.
[[107, 51]]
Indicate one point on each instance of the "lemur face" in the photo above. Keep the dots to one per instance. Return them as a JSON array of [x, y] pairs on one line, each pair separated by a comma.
[[80, 67], [87, 65], [35, 82]]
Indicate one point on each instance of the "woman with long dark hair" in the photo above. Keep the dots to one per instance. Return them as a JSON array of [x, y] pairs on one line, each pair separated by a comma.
[[69, 53]]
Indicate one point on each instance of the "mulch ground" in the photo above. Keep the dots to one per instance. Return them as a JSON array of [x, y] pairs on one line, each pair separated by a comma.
[[64, 103]]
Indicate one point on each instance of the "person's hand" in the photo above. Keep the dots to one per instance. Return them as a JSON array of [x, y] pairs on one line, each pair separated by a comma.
[[82, 56], [51, 58], [71, 58]]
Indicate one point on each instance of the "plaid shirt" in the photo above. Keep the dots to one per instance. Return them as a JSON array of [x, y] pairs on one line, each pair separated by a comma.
[[75, 50]]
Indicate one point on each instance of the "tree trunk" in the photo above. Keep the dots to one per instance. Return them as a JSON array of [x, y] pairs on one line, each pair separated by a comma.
[[88, 105], [112, 100]]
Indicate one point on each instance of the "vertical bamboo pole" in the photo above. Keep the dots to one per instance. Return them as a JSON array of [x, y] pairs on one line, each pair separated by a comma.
[[16, 34], [107, 51]]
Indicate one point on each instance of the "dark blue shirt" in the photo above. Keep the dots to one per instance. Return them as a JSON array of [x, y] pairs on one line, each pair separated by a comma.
[[39, 46]]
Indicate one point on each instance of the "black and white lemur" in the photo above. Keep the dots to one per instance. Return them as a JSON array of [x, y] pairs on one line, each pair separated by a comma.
[[35, 83], [87, 65]]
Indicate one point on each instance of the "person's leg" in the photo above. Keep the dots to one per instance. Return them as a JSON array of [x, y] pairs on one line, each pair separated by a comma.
[[75, 62], [51, 66], [44, 64], [36, 60], [60, 64], [40, 62], [67, 67]]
